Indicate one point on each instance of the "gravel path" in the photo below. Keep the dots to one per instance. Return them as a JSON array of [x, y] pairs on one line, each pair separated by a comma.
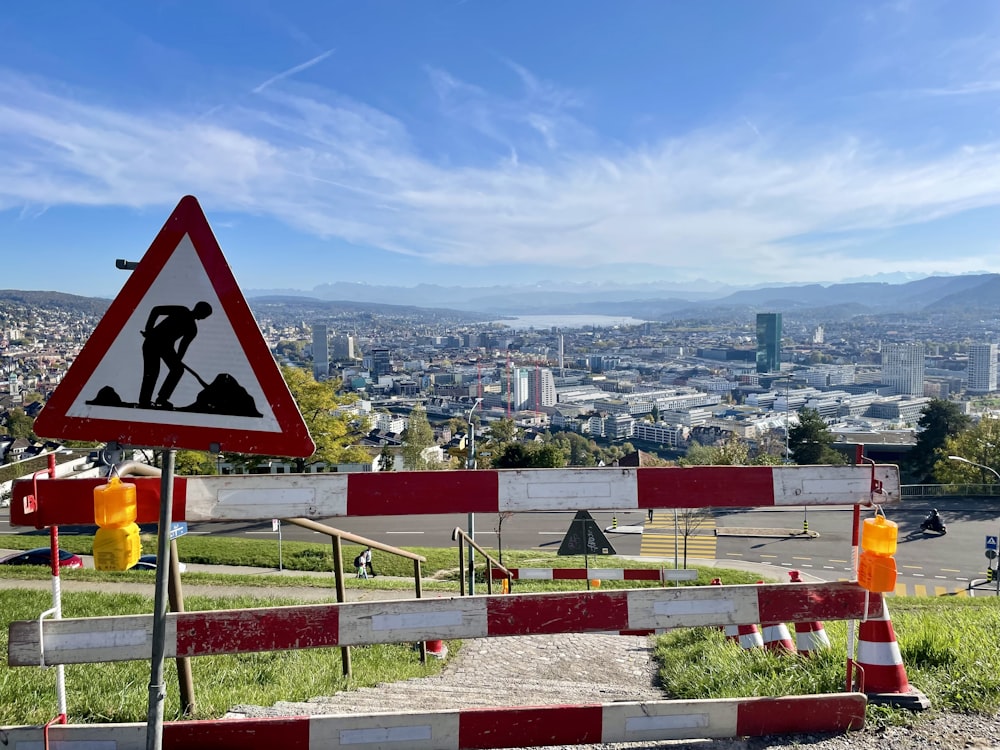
[[584, 668]]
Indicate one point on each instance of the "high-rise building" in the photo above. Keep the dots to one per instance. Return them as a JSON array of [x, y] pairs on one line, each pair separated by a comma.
[[903, 368], [982, 368], [381, 363], [768, 342], [321, 352], [343, 348], [541, 388]]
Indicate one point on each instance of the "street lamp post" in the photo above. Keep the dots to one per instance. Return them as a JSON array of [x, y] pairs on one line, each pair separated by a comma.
[[471, 464], [995, 473]]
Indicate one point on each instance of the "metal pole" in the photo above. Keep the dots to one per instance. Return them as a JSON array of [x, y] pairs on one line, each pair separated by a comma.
[[56, 597], [280, 565], [675, 539], [471, 464], [157, 690]]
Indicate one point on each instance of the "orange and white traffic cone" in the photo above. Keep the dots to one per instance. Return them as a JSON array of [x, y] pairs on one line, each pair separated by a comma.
[[732, 631], [749, 636], [437, 649], [776, 636], [809, 636], [882, 674]]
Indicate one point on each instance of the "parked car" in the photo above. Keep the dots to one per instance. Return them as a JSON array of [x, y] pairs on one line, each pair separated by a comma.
[[148, 562], [43, 556]]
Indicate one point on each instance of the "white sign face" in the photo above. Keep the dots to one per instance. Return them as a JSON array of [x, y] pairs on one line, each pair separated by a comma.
[[214, 350]]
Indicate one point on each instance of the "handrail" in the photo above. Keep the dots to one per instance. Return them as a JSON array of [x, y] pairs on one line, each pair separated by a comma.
[[462, 538], [306, 523], [336, 537], [950, 489]]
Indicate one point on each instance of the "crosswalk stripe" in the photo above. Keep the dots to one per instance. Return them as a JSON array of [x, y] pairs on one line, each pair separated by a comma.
[[919, 589], [701, 542]]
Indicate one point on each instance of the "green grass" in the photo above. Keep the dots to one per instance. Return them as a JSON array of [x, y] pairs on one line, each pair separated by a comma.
[[948, 647]]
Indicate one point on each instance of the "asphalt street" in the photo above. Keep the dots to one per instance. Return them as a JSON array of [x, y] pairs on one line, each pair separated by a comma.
[[928, 564]]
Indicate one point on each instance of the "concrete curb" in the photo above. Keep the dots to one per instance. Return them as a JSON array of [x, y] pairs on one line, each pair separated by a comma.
[[780, 533]]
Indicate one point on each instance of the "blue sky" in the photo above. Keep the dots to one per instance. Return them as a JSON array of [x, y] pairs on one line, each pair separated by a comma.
[[475, 143]]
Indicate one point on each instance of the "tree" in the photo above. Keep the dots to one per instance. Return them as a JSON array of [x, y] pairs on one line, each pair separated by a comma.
[[19, 424], [503, 431], [417, 438], [810, 440], [332, 431], [385, 460], [980, 444], [196, 463], [521, 456], [938, 421]]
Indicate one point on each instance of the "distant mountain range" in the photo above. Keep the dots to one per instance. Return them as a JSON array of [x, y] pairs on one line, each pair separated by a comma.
[[933, 294], [971, 294]]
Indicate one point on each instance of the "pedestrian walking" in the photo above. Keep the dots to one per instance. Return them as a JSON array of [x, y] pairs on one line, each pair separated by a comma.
[[366, 558], [360, 567]]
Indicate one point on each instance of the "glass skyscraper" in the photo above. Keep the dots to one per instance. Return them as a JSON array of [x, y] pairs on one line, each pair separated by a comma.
[[768, 342]]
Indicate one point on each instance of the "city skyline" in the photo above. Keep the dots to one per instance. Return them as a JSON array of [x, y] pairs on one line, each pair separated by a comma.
[[472, 144]]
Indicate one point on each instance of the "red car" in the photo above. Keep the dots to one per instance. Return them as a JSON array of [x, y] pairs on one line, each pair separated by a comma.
[[43, 556]]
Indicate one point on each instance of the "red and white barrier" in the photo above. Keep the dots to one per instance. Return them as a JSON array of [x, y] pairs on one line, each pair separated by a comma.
[[262, 497], [71, 641], [516, 726], [605, 574]]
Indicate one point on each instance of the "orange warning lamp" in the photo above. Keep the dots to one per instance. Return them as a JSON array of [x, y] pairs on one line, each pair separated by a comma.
[[116, 545], [876, 566]]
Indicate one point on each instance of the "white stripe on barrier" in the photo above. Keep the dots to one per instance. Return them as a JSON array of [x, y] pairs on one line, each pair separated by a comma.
[[607, 574], [537, 574], [250, 496], [668, 720], [417, 620], [724, 606], [416, 731], [829, 485], [370, 622], [566, 489], [691, 607]]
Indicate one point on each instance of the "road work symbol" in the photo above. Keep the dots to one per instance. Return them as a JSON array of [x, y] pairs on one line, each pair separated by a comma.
[[178, 360]]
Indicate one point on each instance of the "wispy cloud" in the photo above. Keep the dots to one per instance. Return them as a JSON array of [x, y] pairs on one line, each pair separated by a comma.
[[972, 88], [292, 71], [721, 199]]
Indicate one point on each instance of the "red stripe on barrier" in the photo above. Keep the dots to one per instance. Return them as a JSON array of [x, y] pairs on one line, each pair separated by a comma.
[[70, 502], [425, 492], [240, 630], [554, 613], [795, 714], [813, 601], [288, 733], [706, 486], [530, 727]]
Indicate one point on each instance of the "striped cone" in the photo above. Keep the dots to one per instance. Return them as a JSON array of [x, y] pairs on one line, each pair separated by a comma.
[[776, 636], [809, 636], [749, 636], [883, 676], [438, 649]]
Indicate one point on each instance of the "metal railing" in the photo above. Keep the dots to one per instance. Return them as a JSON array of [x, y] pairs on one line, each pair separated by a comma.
[[337, 536], [917, 491], [462, 538]]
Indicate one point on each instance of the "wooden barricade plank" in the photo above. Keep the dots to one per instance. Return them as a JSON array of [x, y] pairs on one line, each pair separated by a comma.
[[83, 640]]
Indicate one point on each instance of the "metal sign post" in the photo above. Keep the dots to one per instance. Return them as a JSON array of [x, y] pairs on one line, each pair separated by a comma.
[[157, 688]]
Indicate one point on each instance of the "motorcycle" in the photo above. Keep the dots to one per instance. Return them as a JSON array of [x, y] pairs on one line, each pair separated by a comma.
[[934, 523]]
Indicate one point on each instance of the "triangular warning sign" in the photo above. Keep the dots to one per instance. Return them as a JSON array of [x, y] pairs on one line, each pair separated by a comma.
[[585, 538], [178, 361]]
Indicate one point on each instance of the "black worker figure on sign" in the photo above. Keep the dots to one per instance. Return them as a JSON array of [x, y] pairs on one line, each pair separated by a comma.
[[169, 332]]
